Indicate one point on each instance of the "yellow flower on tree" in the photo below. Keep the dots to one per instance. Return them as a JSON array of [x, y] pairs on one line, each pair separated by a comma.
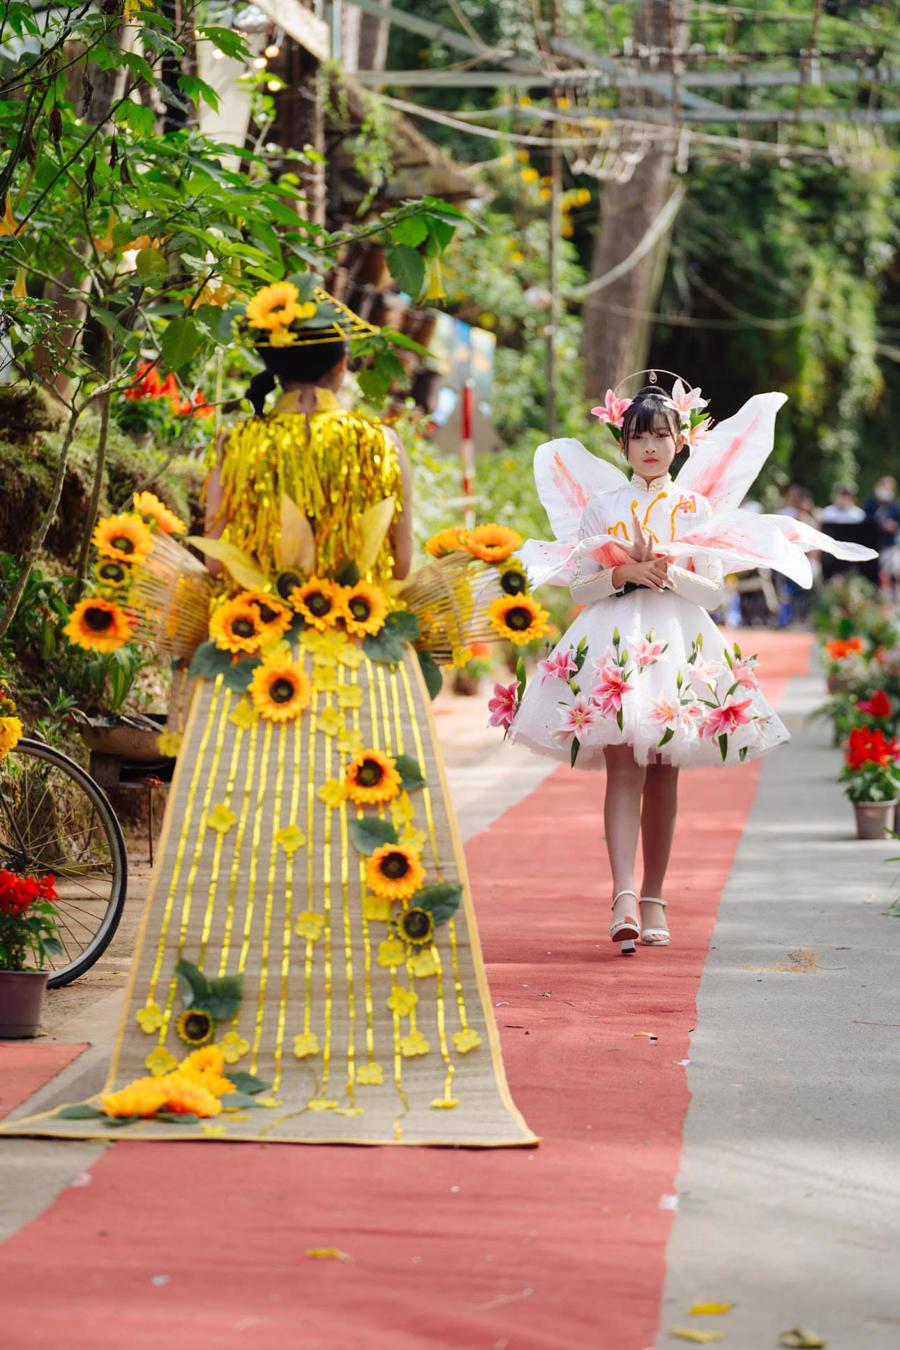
[[402, 1001], [332, 793], [309, 925], [370, 1075], [11, 731], [518, 618], [466, 1040], [123, 537], [394, 872], [413, 1044], [365, 609], [236, 627], [306, 1044], [329, 721], [233, 1047], [160, 1061], [148, 504], [290, 838], [144, 1097], [8, 225], [319, 601], [149, 1018], [221, 817], [279, 690], [492, 543], [98, 625], [446, 541], [391, 953], [274, 306], [195, 1026], [371, 778]]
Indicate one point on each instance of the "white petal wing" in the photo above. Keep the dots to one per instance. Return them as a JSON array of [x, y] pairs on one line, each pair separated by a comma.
[[725, 464], [567, 476]]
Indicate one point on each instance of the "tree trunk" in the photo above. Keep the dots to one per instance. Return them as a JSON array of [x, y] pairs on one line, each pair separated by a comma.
[[615, 338]]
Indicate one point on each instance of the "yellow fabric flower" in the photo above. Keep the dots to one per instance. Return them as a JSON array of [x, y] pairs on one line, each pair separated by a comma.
[[329, 721], [279, 690], [371, 778], [98, 625], [144, 1097], [321, 1104], [123, 537], [274, 616], [233, 1047], [376, 910], [309, 925], [306, 1044], [11, 731], [350, 656], [402, 1001], [213, 1131], [184, 1096], [416, 926], [412, 838], [160, 1061], [445, 541], [220, 817], [350, 741], [444, 1103], [350, 696], [113, 576], [402, 809], [274, 306], [370, 1075], [413, 1044], [466, 1040], [168, 743], [325, 679], [209, 1058], [236, 627], [394, 872], [518, 618], [424, 963], [331, 793], [365, 609], [319, 601], [462, 656], [149, 1018], [244, 715], [319, 644], [148, 504], [391, 952], [290, 838]]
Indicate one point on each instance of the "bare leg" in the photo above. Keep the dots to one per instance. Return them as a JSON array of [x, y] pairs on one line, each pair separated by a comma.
[[622, 819], [657, 832]]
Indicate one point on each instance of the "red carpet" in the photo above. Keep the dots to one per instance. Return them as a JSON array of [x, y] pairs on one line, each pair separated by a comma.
[[557, 1248], [26, 1066]]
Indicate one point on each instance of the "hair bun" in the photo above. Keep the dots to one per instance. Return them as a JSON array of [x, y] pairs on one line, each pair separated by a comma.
[[649, 389]]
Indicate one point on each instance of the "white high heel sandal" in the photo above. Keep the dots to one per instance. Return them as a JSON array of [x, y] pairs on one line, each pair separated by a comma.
[[627, 929], [654, 937]]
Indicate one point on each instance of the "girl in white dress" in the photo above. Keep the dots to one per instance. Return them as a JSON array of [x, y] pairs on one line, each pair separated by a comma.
[[643, 681]]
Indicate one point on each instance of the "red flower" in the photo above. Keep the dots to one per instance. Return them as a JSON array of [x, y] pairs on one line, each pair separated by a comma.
[[838, 648], [865, 746], [879, 705], [17, 894], [146, 382]]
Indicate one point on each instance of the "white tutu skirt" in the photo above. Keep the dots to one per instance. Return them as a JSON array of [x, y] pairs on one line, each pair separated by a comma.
[[657, 675]]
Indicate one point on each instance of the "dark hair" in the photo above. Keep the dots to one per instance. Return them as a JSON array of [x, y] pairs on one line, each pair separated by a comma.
[[304, 364], [648, 404]]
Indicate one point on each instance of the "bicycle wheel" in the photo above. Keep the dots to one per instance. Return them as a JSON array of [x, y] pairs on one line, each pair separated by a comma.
[[55, 818]]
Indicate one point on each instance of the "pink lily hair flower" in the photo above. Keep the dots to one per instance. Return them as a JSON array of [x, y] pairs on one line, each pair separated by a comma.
[[560, 666], [696, 435], [646, 651], [725, 720], [504, 705], [613, 410], [684, 401], [576, 718], [608, 692], [744, 672]]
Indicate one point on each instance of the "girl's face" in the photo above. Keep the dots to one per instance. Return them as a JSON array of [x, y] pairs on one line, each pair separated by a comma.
[[650, 453]]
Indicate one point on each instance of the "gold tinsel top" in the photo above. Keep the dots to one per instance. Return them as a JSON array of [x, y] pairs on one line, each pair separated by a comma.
[[334, 464]]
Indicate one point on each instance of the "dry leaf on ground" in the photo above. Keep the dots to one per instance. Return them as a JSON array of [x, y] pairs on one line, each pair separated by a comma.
[[697, 1337]]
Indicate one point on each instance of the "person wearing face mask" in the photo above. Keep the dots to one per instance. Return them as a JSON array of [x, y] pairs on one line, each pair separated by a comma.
[[883, 512]]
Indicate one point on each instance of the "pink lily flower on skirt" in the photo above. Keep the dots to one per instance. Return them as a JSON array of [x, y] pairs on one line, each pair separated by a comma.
[[707, 672], [665, 712], [576, 718], [725, 719], [560, 666], [504, 705], [610, 689], [647, 653], [613, 410]]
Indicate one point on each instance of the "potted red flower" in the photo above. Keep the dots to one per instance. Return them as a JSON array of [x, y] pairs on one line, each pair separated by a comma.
[[872, 777], [29, 935]]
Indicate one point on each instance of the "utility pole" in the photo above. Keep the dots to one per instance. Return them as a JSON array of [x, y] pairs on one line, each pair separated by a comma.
[[552, 329]]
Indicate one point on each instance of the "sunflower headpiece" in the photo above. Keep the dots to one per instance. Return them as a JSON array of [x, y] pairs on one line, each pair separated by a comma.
[[301, 313]]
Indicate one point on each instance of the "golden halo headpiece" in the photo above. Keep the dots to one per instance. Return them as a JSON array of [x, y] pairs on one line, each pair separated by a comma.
[[299, 312]]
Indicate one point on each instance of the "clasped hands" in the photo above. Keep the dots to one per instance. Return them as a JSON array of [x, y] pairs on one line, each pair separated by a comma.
[[646, 568]]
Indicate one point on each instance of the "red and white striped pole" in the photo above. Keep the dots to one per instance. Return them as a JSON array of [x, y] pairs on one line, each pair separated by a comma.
[[467, 452]]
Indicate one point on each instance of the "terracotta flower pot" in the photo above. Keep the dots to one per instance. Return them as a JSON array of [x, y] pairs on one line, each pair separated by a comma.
[[21, 997], [873, 819]]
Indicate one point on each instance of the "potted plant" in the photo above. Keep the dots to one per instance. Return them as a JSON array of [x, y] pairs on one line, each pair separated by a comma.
[[29, 935], [872, 780]]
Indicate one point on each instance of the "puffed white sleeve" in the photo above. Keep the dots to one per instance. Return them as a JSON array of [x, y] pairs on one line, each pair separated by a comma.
[[590, 580], [700, 580]]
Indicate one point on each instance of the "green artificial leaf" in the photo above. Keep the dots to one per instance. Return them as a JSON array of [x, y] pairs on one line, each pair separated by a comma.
[[412, 231], [407, 267], [522, 677], [177, 1117], [245, 1082], [404, 624], [666, 737], [723, 746], [410, 771], [224, 998], [348, 575], [369, 832], [573, 750], [384, 647], [431, 674], [78, 1112], [180, 340], [441, 900], [209, 661], [234, 1100], [119, 1122], [193, 985]]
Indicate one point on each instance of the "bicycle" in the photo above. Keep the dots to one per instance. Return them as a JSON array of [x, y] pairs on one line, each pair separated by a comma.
[[55, 818]]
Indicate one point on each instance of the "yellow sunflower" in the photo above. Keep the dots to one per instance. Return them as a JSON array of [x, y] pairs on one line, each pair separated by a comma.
[[195, 1026], [492, 543], [513, 580], [364, 609], [279, 690], [416, 925], [148, 504], [112, 575], [446, 541], [274, 306], [236, 627], [394, 872], [273, 615], [11, 732], [124, 537], [286, 582], [371, 778], [98, 625], [319, 601], [518, 618]]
